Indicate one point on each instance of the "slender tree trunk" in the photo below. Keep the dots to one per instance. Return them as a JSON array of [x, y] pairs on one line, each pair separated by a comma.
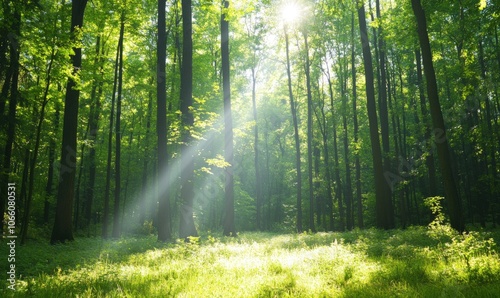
[[384, 119], [105, 223], [489, 153], [45, 100], [186, 225], [258, 183], [50, 173], [118, 137], [146, 194], [164, 216], [229, 227], [381, 195], [328, 175], [429, 160], [24, 185], [309, 136], [13, 75], [348, 181], [359, 199], [63, 225], [452, 197], [324, 133], [338, 182], [93, 129], [77, 204], [296, 136]]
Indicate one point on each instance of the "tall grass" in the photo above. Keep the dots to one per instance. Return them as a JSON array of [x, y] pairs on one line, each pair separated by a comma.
[[416, 262]]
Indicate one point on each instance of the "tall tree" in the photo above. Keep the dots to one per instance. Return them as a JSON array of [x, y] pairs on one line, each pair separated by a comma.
[[384, 116], [359, 199], [296, 134], [229, 227], [107, 189], [164, 221], [10, 87], [381, 196], [95, 96], [50, 171], [186, 225], [427, 135], [63, 225], [118, 134], [309, 134], [33, 161], [452, 196]]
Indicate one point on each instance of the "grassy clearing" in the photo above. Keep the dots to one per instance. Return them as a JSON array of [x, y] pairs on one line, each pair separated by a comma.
[[417, 262]]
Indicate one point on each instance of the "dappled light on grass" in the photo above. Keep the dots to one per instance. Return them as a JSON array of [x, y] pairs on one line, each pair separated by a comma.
[[369, 263]]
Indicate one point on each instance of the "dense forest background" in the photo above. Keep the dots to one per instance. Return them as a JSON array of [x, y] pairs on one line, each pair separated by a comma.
[[335, 115]]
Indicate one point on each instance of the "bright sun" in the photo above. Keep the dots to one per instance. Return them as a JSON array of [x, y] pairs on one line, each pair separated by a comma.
[[290, 12]]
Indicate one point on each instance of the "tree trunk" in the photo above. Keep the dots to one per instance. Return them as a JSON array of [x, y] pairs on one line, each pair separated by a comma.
[[229, 228], [338, 182], [146, 194], [296, 136], [348, 181], [63, 225], [452, 197], [309, 136], [258, 183], [118, 138], [13, 79], [186, 225], [50, 174], [329, 198], [164, 216], [359, 199], [384, 119], [45, 100], [105, 219], [381, 196], [429, 160]]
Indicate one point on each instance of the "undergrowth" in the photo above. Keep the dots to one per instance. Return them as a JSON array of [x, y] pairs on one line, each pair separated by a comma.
[[416, 262]]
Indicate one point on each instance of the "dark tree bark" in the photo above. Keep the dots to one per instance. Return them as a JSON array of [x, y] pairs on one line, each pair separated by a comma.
[[229, 227], [309, 136], [381, 196], [11, 83], [491, 146], [186, 225], [296, 136], [93, 129], [164, 217], [118, 137], [50, 173], [63, 225], [452, 197]]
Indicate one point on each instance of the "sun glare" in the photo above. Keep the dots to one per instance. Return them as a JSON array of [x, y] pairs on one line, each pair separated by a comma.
[[290, 12]]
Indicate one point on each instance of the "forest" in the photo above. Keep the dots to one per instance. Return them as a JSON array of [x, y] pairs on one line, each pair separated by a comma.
[[299, 148]]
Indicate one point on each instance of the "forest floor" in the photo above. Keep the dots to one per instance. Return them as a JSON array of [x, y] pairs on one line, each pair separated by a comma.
[[416, 262]]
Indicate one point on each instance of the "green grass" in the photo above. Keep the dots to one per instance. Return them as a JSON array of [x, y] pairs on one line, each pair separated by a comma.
[[417, 262]]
